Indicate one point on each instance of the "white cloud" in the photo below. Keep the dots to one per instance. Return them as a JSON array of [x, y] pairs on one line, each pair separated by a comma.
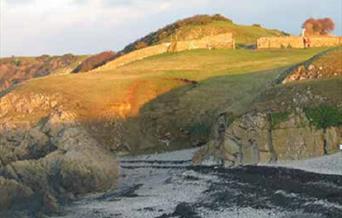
[[32, 27], [29, 27]]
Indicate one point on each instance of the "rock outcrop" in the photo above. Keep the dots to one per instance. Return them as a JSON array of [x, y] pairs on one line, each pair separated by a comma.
[[48, 158], [267, 137], [289, 121], [328, 65]]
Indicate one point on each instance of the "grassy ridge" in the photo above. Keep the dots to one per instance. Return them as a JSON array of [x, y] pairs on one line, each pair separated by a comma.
[[158, 96], [203, 25]]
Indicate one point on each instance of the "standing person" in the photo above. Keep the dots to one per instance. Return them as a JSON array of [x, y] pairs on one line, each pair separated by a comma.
[[305, 42], [308, 42]]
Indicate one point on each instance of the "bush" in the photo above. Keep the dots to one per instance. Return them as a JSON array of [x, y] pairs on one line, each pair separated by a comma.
[[279, 117], [324, 116], [16, 61], [95, 61], [199, 129]]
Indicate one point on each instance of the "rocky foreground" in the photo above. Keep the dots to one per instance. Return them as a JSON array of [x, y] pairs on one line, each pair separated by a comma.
[[165, 185]]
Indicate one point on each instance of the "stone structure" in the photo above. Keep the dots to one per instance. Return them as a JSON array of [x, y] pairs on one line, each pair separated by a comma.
[[210, 42], [298, 42]]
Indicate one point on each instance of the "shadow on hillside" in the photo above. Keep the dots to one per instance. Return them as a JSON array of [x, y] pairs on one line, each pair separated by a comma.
[[183, 117]]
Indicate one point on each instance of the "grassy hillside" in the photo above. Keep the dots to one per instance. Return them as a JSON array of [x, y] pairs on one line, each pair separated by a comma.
[[149, 97], [316, 83], [306, 93], [14, 70], [200, 26]]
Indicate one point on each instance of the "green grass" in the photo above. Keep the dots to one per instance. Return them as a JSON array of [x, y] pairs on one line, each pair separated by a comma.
[[243, 34], [202, 64], [324, 116], [278, 117], [228, 80]]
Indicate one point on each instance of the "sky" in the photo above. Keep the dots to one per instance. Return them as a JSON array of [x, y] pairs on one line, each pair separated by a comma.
[[55, 27]]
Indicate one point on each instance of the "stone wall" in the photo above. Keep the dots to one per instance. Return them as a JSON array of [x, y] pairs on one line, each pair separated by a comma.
[[135, 56], [297, 42], [210, 42]]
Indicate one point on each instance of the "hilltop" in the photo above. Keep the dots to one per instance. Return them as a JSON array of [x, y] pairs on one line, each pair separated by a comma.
[[200, 26]]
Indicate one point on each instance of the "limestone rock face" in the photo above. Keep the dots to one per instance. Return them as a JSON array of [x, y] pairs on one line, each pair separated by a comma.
[[50, 158], [256, 138]]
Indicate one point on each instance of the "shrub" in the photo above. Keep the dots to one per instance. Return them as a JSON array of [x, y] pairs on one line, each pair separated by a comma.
[[324, 116], [199, 129], [278, 117], [140, 45], [95, 61], [16, 61]]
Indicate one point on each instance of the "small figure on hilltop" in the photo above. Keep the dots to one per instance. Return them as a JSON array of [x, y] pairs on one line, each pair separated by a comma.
[[307, 42]]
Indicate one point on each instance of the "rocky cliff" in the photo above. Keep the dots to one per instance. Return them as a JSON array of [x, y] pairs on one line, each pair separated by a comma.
[[49, 158], [328, 65], [290, 121], [269, 137]]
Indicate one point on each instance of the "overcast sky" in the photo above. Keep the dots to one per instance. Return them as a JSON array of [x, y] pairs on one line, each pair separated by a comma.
[[35, 27]]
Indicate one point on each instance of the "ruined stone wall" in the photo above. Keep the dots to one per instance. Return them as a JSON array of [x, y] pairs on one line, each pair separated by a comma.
[[297, 42], [326, 41], [210, 42], [135, 56]]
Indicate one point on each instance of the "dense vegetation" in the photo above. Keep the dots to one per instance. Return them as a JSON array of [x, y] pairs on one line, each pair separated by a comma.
[[14, 70], [95, 61], [324, 116]]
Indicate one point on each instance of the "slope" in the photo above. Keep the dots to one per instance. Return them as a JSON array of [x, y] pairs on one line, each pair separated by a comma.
[[59, 135], [198, 82], [14, 70], [203, 25]]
